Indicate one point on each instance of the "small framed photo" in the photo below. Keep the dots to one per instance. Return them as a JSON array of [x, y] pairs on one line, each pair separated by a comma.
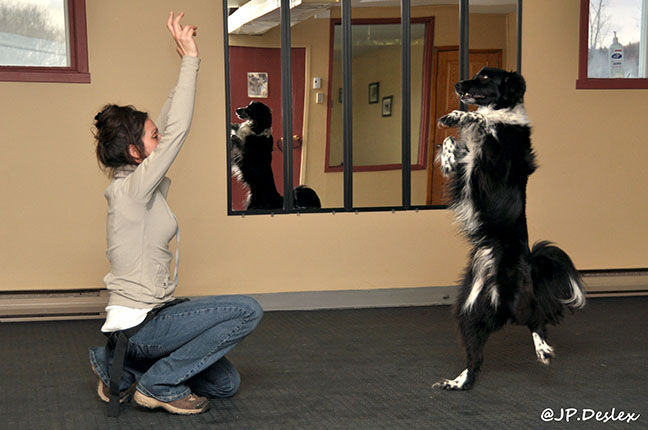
[[257, 85], [387, 105], [374, 92]]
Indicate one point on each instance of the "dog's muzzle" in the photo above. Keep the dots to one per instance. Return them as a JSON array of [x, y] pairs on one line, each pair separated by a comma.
[[242, 113]]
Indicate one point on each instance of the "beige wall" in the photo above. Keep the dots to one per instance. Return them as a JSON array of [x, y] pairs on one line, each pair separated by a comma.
[[589, 194], [590, 191]]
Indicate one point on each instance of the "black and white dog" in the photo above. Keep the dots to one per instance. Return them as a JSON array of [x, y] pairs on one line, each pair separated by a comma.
[[487, 169], [252, 146]]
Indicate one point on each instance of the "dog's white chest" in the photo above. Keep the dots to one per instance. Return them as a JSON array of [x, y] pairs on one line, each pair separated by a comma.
[[470, 138]]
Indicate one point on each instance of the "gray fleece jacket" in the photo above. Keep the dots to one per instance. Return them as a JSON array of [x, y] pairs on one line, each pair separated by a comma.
[[140, 224]]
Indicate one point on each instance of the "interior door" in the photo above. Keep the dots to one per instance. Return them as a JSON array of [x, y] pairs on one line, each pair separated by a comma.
[[268, 60], [446, 100]]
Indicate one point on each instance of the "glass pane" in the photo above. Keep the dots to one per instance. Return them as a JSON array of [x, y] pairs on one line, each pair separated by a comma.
[[377, 101], [255, 75], [376, 88], [33, 33], [616, 48], [310, 28]]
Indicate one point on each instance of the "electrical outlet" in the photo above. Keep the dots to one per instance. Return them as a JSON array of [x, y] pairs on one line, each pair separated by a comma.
[[317, 83]]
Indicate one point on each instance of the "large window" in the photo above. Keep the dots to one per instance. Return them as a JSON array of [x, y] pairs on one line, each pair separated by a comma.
[[43, 41], [613, 44], [353, 114]]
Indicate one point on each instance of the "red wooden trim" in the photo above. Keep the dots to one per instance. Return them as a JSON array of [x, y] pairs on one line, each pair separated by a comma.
[[81, 36], [427, 100], [583, 44], [425, 110], [612, 84], [26, 75], [331, 100], [77, 72], [585, 83]]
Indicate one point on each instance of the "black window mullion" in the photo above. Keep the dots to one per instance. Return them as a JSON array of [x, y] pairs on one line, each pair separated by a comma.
[[228, 119], [406, 131], [347, 106], [286, 105], [464, 59]]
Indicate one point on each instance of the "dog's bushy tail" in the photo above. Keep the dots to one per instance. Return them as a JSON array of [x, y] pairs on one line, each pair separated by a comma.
[[556, 282]]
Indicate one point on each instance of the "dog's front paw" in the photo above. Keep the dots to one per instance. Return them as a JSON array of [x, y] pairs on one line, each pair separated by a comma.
[[459, 383], [448, 155], [450, 120]]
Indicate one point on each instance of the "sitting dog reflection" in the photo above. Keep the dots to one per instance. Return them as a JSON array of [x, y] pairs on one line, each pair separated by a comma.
[[252, 144]]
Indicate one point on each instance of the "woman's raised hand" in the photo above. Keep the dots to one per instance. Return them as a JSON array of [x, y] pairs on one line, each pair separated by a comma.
[[183, 36]]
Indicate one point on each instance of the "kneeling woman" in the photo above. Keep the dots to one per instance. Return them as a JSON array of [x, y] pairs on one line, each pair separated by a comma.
[[174, 350]]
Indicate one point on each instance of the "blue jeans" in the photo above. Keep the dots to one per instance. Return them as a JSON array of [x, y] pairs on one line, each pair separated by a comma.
[[183, 349]]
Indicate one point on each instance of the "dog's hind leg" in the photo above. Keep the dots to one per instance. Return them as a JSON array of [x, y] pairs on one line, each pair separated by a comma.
[[457, 383], [474, 338]]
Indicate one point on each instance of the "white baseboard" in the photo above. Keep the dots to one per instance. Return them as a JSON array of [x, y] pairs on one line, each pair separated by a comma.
[[616, 283], [85, 304], [53, 305]]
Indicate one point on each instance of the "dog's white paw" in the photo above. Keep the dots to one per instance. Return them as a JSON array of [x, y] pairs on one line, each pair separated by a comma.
[[459, 383], [448, 157], [545, 354], [451, 119], [544, 351]]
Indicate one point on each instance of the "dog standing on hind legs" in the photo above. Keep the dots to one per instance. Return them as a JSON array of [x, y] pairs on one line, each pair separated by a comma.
[[487, 170]]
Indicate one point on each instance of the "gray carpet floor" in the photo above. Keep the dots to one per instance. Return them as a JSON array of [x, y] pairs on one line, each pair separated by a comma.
[[357, 369]]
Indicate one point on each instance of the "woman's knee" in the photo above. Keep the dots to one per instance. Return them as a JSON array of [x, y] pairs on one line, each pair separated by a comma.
[[220, 380], [247, 304], [242, 308], [254, 308]]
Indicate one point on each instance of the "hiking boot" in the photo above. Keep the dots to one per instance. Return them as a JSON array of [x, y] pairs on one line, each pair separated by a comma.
[[191, 404], [104, 392]]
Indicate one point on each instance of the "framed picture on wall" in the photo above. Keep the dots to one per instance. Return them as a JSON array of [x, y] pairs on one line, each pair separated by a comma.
[[387, 105], [257, 85], [374, 88]]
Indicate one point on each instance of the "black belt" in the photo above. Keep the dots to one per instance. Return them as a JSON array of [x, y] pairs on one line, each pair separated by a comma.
[[118, 347]]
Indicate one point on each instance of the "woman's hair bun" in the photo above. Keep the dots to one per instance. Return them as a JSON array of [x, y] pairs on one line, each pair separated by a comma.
[[116, 129]]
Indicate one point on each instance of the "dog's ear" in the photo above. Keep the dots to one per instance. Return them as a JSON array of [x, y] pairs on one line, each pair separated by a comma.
[[512, 88]]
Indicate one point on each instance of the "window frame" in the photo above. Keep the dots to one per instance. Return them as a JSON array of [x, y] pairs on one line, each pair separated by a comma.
[[348, 169], [584, 82], [77, 72]]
